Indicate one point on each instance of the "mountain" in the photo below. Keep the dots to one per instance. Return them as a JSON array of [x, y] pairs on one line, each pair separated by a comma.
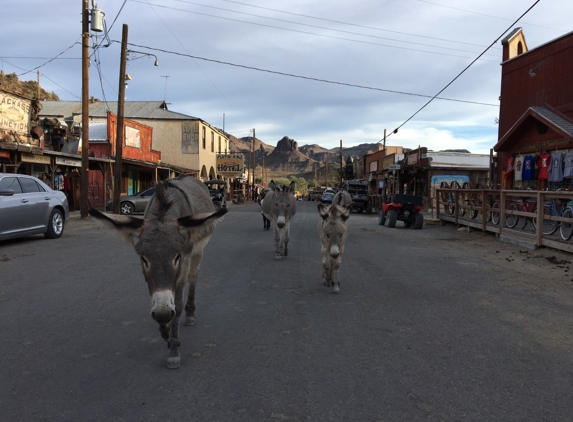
[[288, 159], [27, 89]]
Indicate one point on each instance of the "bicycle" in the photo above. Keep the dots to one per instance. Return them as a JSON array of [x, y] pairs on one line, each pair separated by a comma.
[[557, 208], [526, 205], [510, 219]]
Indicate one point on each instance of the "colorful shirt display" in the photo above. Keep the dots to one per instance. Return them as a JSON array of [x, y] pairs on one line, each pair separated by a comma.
[[518, 168], [543, 163], [556, 167], [568, 165], [528, 165], [508, 168]]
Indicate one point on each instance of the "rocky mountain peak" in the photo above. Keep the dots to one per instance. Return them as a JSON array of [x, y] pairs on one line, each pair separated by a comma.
[[286, 144]]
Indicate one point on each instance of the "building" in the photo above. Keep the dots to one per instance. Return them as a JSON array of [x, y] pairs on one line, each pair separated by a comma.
[[536, 112]]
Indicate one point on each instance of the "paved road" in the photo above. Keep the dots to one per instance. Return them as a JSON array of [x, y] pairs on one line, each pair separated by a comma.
[[437, 324]]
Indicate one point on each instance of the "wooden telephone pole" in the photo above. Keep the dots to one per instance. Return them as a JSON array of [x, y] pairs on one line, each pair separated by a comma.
[[120, 130], [85, 110]]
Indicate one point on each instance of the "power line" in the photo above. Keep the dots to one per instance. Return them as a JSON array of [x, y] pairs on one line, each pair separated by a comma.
[[51, 60], [466, 68], [322, 27], [311, 33], [307, 77], [350, 24]]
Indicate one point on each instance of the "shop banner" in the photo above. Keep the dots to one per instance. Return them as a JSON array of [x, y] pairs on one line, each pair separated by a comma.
[[14, 113], [4, 154], [63, 161], [33, 158]]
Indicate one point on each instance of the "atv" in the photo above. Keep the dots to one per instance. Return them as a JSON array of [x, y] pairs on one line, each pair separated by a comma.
[[404, 208]]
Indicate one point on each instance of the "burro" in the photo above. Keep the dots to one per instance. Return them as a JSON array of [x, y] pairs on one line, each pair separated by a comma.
[[170, 239], [279, 207], [333, 229]]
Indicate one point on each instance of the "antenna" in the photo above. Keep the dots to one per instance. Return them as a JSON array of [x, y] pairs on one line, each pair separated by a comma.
[[165, 93]]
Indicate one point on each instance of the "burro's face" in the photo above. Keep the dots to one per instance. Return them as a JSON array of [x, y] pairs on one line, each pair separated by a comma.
[[335, 233], [163, 253], [282, 209]]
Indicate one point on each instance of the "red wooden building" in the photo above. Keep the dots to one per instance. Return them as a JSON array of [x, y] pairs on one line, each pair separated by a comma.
[[536, 110]]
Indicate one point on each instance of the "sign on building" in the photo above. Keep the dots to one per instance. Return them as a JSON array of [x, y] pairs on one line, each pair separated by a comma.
[[14, 114], [230, 165]]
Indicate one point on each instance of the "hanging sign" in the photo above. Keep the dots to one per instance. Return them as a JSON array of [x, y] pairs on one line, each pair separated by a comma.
[[63, 161], [33, 158], [230, 165]]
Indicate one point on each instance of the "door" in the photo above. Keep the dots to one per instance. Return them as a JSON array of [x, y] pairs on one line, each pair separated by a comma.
[[15, 209]]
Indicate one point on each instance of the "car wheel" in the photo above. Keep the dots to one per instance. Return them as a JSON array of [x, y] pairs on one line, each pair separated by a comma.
[[419, 223], [381, 218], [392, 218], [126, 208], [55, 225]]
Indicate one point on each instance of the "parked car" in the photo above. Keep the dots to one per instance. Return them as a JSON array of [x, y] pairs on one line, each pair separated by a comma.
[[327, 197], [28, 206], [218, 192], [132, 203]]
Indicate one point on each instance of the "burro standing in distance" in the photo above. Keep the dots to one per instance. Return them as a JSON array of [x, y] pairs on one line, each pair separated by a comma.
[[333, 229], [279, 207], [177, 224]]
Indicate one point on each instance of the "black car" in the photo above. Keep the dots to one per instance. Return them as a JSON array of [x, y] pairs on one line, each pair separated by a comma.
[[218, 192], [132, 203]]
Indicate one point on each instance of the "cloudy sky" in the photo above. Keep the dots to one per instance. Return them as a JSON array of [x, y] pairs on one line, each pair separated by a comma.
[[313, 70]]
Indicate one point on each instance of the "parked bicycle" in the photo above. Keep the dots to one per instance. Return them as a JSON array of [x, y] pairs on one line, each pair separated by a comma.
[[558, 207]]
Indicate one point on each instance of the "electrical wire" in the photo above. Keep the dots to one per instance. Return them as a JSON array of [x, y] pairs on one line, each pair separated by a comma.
[[307, 77], [311, 33], [51, 60], [324, 28], [350, 24], [460, 74]]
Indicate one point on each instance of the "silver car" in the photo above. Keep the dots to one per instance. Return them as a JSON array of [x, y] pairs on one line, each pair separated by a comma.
[[133, 203], [28, 206]]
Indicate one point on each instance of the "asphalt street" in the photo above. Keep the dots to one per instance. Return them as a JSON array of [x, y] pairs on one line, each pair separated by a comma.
[[433, 324]]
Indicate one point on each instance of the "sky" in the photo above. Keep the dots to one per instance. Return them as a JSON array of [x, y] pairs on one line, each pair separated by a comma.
[[316, 71]]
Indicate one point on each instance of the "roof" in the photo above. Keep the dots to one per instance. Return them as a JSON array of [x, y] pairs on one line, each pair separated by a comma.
[[557, 121], [132, 110], [98, 131]]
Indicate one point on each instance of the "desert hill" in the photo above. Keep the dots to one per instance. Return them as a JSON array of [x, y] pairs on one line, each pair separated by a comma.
[[27, 89]]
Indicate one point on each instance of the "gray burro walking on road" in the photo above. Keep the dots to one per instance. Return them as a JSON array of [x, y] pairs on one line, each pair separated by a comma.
[[170, 239], [279, 206]]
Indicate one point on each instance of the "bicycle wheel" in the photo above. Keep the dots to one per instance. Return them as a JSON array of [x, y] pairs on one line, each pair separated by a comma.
[[460, 201], [522, 221], [511, 220], [534, 219], [566, 227], [549, 227], [495, 214]]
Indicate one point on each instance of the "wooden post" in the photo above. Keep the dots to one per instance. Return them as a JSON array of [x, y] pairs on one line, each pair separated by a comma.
[[85, 112]]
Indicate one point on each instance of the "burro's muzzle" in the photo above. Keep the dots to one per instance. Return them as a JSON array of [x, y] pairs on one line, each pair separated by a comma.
[[334, 251], [281, 221], [163, 306]]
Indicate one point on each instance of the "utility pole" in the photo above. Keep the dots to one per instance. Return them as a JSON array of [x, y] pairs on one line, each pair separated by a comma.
[[85, 111], [120, 130], [326, 171], [263, 175], [341, 163], [254, 164]]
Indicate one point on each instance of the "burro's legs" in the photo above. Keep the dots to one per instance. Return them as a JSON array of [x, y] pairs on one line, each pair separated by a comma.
[[192, 278], [174, 359], [326, 268], [278, 252], [286, 238], [335, 267]]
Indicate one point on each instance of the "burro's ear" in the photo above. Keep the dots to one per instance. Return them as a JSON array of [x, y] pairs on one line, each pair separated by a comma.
[[199, 219], [323, 211], [291, 187], [129, 226], [346, 213]]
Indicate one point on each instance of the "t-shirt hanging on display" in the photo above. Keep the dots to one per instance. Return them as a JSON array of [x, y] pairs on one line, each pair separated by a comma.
[[528, 164], [543, 163], [556, 167], [508, 168], [568, 164], [518, 168]]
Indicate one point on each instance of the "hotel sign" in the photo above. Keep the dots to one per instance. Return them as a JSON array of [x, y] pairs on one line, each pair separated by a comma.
[[230, 165]]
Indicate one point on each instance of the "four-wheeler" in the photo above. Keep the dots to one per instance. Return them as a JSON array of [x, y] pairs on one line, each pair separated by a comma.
[[404, 208], [217, 189]]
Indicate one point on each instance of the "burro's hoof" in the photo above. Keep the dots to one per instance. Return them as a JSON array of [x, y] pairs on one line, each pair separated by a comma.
[[190, 320], [174, 362], [336, 289]]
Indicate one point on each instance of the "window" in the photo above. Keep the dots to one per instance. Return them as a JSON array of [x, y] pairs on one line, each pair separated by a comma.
[[219, 145], [30, 186], [212, 142], [204, 137], [10, 183], [519, 48]]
